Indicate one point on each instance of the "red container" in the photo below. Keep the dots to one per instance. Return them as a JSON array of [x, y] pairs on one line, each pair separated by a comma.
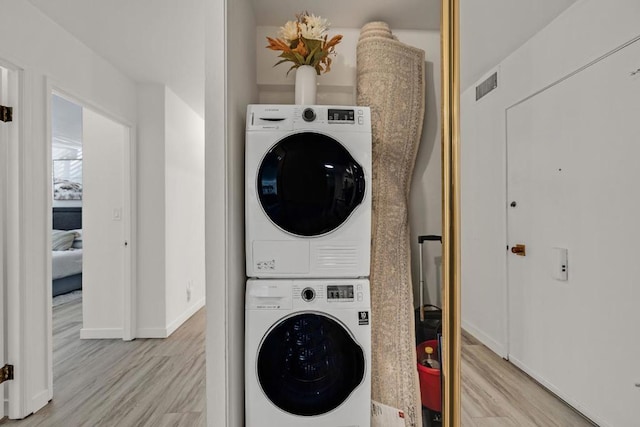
[[429, 379]]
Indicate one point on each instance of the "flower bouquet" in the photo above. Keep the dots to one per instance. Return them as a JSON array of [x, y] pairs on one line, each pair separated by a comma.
[[304, 42]]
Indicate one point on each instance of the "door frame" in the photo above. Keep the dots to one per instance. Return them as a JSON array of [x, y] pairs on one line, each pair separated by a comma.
[[4, 166], [129, 205], [14, 317]]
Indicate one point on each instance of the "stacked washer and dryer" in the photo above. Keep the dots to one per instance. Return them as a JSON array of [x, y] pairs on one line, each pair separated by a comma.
[[308, 236]]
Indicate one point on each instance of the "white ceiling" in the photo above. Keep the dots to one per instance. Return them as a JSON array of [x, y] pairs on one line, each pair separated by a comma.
[[399, 14], [162, 41]]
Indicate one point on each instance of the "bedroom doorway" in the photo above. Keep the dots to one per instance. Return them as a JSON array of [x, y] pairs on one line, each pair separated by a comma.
[[91, 220]]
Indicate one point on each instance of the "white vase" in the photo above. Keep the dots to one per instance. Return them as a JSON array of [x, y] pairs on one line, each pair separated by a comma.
[[306, 85]]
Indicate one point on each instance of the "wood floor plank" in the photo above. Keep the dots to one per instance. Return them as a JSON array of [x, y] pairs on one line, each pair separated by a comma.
[[494, 391], [116, 383], [181, 420], [495, 422], [161, 383]]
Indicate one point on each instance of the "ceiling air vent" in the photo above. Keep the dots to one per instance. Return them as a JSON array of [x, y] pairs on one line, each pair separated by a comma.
[[487, 86]]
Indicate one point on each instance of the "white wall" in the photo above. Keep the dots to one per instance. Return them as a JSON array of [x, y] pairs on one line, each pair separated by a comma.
[[596, 27], [105, 143], [184, 201], [339, 87], [170, 212], [217, 383], [229, 65], [241, 80], [151, 297], [42, 49]]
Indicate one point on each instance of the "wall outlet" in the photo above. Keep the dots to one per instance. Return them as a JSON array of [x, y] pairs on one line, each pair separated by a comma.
[[189, 287]]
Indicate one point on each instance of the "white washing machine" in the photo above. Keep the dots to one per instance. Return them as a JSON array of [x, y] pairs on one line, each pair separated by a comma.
[[308, 353], [308, 191]]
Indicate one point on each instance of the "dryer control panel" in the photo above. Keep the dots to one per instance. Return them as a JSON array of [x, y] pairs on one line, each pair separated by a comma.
[[312, 117], [336, 115]]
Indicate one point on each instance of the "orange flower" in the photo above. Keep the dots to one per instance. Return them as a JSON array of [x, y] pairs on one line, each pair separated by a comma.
[[301, 48], [334, 41], [277, 44]]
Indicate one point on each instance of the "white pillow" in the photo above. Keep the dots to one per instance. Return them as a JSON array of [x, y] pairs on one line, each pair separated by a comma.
[[77, 243], [61, 240]]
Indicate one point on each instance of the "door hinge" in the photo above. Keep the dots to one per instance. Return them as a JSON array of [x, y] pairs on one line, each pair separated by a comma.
[[6, 113], [6, 373]]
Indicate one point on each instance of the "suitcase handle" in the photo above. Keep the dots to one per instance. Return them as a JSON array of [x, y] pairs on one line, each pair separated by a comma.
[[429, 237]]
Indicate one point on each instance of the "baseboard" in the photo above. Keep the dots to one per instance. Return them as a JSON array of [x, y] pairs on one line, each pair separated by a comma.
[[493, 345], [568, 400], [151, 333], [40, 400], [100, 333], [171, 328]]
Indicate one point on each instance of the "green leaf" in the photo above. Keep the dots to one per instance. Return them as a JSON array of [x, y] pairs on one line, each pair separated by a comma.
[[299, 58], [292, 67], [313, 44], [310, 57], [280, 62], [289, 56]]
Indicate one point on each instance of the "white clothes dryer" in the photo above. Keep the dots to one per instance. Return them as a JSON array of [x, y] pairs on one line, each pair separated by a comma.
[[308, 353], [308, 191]]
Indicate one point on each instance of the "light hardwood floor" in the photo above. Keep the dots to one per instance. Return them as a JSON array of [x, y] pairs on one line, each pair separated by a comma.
[[497, 394], [145, 382], [160, 383]]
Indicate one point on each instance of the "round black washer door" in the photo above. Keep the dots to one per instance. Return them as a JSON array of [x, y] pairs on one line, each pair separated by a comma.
[[309, 364], [309, 184]]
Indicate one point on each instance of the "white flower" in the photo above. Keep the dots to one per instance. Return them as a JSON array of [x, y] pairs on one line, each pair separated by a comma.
[[314, 27], [290, 31]]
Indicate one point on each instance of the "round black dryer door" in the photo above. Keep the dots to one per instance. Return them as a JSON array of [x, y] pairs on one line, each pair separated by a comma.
[[309, 364], [308, 184]]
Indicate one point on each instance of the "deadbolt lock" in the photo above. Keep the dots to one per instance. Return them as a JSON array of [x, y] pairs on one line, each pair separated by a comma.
[[519, 250]]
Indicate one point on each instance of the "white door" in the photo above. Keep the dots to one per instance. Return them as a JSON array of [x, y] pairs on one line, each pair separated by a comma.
[[573, 154], [106, 216], [4, 154]]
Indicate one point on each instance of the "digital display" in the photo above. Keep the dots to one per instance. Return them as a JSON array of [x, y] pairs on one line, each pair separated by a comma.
[[339, 292], [336, 115]]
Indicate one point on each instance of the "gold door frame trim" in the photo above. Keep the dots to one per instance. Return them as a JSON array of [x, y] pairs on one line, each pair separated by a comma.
[[451, 213]]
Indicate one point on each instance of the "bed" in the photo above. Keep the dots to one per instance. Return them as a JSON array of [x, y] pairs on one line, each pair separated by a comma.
[[66, 250]]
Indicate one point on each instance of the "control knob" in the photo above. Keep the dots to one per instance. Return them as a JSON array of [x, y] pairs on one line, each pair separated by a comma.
[[308, 294], [308, 115]]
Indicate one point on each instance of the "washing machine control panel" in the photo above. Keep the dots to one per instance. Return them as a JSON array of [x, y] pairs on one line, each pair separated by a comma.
[[339, 292], [335, 115], [330, 293], [308, 294], [314, 294]]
